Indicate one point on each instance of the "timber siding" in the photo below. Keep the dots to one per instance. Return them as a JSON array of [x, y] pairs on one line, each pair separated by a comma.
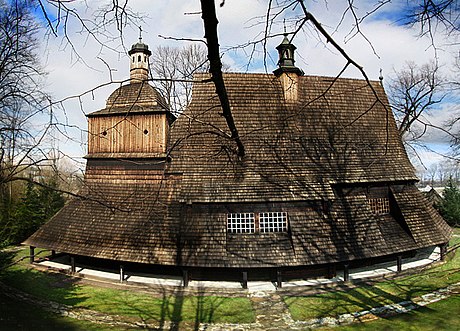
[[319, 156], [133, 133]]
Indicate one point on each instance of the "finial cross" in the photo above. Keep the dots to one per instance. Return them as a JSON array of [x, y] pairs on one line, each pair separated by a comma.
[[140, 34]]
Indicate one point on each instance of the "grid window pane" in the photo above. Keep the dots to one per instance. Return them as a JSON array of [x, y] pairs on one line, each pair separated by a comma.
[[241, 223], [379, 205], [273, 222]]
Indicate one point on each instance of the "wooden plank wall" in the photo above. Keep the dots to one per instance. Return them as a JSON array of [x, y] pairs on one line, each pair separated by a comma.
[[128, 134]]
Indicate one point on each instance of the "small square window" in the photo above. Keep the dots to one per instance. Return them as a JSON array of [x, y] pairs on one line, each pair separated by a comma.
[[379, 205], [241, 223], [273, 222]]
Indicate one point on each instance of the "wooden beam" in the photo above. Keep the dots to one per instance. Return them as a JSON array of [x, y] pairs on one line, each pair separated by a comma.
[[331, 271], [185, 277], [122, 273], [279, 278], [443, 251], [245, 280], [72, 264], [346, 273], [31, 254]]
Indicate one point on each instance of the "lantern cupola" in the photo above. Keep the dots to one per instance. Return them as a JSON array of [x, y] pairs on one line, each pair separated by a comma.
[[286, 58], [139, 59]]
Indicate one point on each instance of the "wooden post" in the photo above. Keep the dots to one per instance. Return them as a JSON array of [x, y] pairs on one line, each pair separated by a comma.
[[31, 254], [122, 273], [331, 271], [245, 279], [53, 253], [279, 278], [72, 264], [346, 273], [399, 263], [185, 277], [443, 251]]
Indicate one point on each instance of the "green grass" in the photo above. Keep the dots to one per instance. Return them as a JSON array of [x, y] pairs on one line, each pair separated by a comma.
[[16, 316], [134, 305], [367, 296], [442, 315]]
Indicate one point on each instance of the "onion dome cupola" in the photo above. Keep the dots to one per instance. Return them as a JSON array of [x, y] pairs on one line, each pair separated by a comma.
[[139, 68], [286, 58]]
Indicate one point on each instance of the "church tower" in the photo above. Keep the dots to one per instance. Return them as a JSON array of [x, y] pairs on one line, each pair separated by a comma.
[[135, 122]]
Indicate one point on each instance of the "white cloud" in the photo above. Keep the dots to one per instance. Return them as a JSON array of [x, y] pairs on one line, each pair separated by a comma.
[[394, 45]]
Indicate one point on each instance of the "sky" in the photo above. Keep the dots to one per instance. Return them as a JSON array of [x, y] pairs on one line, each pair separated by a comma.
[[85, 64]]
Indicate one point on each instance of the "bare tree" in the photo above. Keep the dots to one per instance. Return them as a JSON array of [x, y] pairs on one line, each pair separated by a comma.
[[21, 98], [413, 92], [172, 69], [432, 171], [430, 15]]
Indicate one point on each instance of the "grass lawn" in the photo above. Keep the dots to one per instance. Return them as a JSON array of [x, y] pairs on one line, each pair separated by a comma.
[[134, 305], [367, 296], [442, 315], [17, 316]]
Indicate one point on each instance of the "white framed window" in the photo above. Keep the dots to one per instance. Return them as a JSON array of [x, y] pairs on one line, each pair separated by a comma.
[[241, 223], [257, 222], [379, 205], [273, 222]]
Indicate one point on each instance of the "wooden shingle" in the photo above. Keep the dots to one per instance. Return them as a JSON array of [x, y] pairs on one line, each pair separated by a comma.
[[315, 158]]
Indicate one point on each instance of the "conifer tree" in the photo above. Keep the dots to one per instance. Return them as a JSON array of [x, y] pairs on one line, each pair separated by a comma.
[[450, 205]]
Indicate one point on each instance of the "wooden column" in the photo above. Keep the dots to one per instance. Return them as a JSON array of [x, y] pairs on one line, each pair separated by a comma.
[[245, 280], [331, 271], [122, 273], [346, 273], [399, 263], [279, 279], [185, 277], [72, 264], [443, 251], [31, 254], [53, 253]]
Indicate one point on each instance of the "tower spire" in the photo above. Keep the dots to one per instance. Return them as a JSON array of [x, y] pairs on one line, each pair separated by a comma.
[[139, 60]]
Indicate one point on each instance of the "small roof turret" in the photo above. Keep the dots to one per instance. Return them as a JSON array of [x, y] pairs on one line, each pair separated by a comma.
[[140, 47], [139, 67], [286, 58]]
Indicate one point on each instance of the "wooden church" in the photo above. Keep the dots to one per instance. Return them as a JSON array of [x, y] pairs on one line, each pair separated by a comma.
[[325, 182]]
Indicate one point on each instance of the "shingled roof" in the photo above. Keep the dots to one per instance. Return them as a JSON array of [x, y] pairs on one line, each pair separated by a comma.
[[338, 136], [139, 97], [338, 131]]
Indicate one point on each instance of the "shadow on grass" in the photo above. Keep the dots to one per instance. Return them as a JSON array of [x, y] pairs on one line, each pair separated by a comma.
[[42, 285], [364, 296], [167, 309], [442, 315], [173, 310], [17, 315], [6, 259]]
